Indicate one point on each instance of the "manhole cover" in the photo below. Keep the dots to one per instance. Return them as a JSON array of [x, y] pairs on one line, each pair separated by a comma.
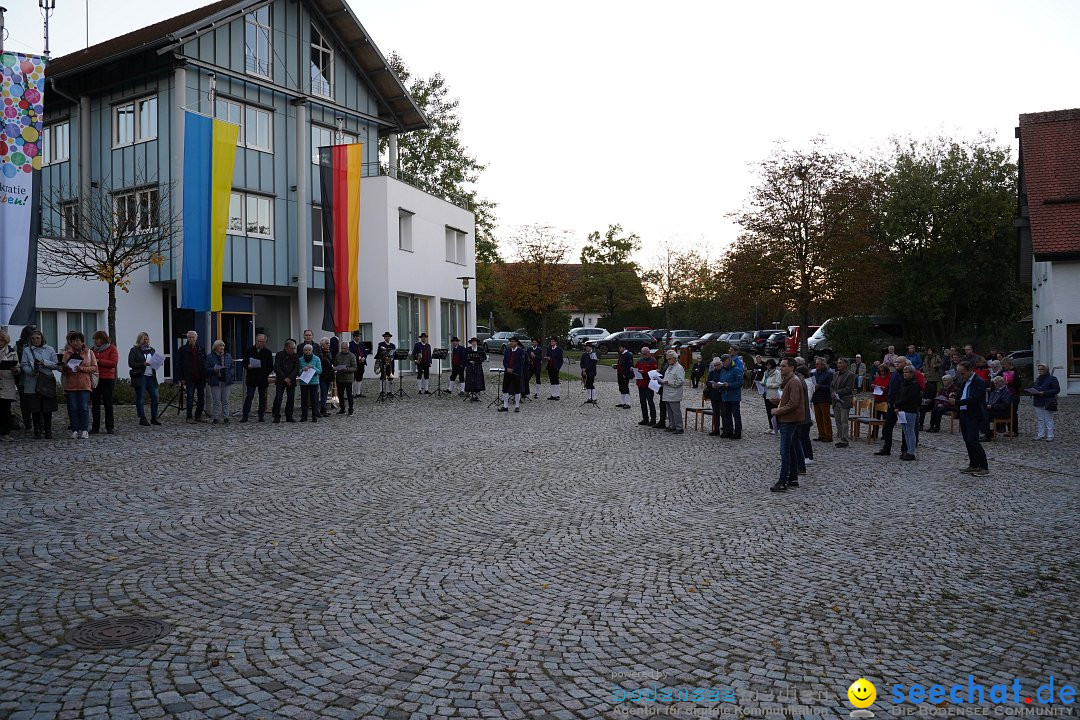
[[116, 632]]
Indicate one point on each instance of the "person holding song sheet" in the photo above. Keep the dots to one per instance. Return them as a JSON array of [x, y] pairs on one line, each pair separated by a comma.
[[77, 368], [257, 362], [514, 367], [39, 385], [457, 366], [907, 404], [421, 354], [9, 380], [286, 366], [143, 364], [309, 369], [356, 347], [219, 372], [554, 365], [474, 370], [588, 373], [646, 397], [344, 369], [944, 402], [1044, 394]]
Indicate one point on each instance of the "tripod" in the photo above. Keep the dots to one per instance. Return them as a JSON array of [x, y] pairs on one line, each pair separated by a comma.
[[498, 388], [438, 390], [587, 401]]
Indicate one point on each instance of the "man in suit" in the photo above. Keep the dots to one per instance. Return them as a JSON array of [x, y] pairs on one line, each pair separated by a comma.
[[421, 354], [971, 403], [554, 365], [457, 366], [356, 347]]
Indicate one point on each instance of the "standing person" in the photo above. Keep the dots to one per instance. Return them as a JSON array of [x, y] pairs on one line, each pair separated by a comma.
[[645, 394], [931, 368], [914, 358], [286, 370], [9, 377], [308, 339], [258, 362], [1045, 392], [20, 345], [191, 371], [698, 371], [822, 400], [1012, 381], [385, 367], [772, 382], [789, 413], [858, 369], [344, 367], [890, 357], [356, 347], [730, 385], [309, 388], [661, 422], [326, 377], [219, 374], [715, 394], [513, 368], [554, 365], [107, 359], [144, 378], [908, 401], [77, 368], [457, 366], [421, 354], [804, 450], [536, 364], [624, 372], [39, 385], [843, 390], [474, 370], [588, 373], [673, 381], [896, 379], [972, 410]]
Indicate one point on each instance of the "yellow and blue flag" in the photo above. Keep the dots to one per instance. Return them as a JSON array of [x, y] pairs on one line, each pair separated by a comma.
[[209, 157]]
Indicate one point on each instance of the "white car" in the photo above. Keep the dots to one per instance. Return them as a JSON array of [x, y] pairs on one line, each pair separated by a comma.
[[580, 335]]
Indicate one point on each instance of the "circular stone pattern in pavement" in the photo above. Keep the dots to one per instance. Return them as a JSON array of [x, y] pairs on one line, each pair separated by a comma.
[[116, 632]]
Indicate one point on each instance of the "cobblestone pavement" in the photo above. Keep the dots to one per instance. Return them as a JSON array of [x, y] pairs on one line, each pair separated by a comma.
[[434, 558]]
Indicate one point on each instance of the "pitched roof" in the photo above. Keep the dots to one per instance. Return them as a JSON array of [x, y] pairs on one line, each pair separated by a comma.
[[398, 107], [1050, 151]]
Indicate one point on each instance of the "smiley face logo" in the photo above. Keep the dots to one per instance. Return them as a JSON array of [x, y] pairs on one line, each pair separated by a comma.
[[862, 693]]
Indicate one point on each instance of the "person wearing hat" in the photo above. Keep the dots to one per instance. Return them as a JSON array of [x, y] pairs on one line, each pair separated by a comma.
[[672, 382], [514, 367], [646, 397], [457, 366], [421, 354], [729, 383], [554, 365], [356, 347], [386, 368], [624, 374], [588, 373], [474, 369], [536, 361]]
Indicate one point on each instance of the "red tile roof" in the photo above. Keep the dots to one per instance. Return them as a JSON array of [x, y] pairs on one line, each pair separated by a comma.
[[1050, 147]]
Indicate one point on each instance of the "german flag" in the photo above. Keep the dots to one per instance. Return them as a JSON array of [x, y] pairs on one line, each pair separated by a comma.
[[340, 168]]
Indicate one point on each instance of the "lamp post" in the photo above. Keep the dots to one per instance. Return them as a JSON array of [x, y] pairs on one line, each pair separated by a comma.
[[465, 286]]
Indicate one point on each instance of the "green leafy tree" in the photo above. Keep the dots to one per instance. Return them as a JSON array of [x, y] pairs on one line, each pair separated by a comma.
[[609, 279], [536, 286]]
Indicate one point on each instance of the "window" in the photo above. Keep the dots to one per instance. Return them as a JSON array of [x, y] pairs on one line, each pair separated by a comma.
[[317, 239], [453, 320], [325, 137], [230, 111], [257, 122], [322, 65], [69, 218], [257, 46], [84, 322], [456, 250], [405, 229], [135, 122], [136, 211], [55, 145], [250, 215], [1073, 343], [46, 322]]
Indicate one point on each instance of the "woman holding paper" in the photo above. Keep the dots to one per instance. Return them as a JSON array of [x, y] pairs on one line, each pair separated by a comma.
[[39, 386], [219, 371], [309, 368], [143, 362], [907, 404], [772, 382], [77, 368]]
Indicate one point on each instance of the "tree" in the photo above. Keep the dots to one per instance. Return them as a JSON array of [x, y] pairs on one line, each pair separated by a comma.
[[108, 235], [537, 284], [810, 218], [947, 221], [678, 277], [609, 278]]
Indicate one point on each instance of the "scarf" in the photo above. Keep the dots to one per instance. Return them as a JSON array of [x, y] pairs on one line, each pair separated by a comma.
[[98, 349]]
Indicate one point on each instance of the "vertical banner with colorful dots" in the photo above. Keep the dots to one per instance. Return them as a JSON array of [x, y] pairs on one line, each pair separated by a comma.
[[22, 95]]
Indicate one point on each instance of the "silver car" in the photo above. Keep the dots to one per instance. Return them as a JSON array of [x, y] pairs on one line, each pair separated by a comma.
[[580, 335]]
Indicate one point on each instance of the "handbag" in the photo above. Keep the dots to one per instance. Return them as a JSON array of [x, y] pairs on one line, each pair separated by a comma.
[[45, 384]]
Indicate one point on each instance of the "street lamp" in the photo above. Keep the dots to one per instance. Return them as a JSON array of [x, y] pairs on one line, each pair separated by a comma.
[[465, 285]]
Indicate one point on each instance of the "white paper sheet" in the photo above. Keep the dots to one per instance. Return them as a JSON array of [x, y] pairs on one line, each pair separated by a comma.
[[637, 374], [654, 375], [305, 377], [74, 363], [878, 390], [254, 363], [654, 385], [156, 361], [903, 418], [760, 386]]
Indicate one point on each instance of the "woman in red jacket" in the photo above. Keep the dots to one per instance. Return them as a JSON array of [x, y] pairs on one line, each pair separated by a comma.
[[107, 359]]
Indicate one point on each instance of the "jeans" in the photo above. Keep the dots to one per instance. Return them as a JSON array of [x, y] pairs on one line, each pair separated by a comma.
[[803, 435], [289, 392], [731, 411], [196, 388], [1044, 423], [78, 402], [970, 430], [674, 415], [103, 395], [842, 425], [909, 433], [309, 398], [648, 404], [324, 390], [249, 395], [149, 386], [824, 422], [789, 469], [219, 394]]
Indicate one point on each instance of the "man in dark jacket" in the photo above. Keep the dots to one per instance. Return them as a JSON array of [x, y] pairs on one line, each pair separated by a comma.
[[257, 377], [822, 400], [896, 381], [971, 404], [191, 372], [286, 370], [554, 366], [356, 347]]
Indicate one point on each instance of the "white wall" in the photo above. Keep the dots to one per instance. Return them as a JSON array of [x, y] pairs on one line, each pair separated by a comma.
[[1055, 306]]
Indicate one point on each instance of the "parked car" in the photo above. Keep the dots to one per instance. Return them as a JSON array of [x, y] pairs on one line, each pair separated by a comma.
[[482, 333], [759, 341], [634, 340], [579, 335], [776, 344], [705, 339], [500, 340], [736, 338], [683, 337], [657, 334], [1022, 358]]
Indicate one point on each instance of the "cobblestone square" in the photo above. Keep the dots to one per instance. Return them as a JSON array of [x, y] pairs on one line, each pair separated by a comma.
[[433, 558]]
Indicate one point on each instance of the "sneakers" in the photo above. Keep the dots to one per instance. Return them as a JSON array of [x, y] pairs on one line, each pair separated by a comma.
[[907, 456], [85, 435], [75, 435], [981, 472], [778, 487]]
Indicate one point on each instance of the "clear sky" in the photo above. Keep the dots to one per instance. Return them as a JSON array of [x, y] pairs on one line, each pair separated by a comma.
[[600, 111]]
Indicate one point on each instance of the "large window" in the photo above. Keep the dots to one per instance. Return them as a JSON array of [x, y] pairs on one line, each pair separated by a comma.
[[251, 215], [46, 322], [1073, 341], [255, 123], [453, 321], [404, 224], [84, 322], [318, 244], [69, 218], [135, 122], [257, 43], [55, 143], [456, 249], [325, 137], [322, 65], [136, 211]]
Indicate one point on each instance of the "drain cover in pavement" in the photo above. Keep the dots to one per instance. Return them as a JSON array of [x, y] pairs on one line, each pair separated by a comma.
[[116, 632]]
